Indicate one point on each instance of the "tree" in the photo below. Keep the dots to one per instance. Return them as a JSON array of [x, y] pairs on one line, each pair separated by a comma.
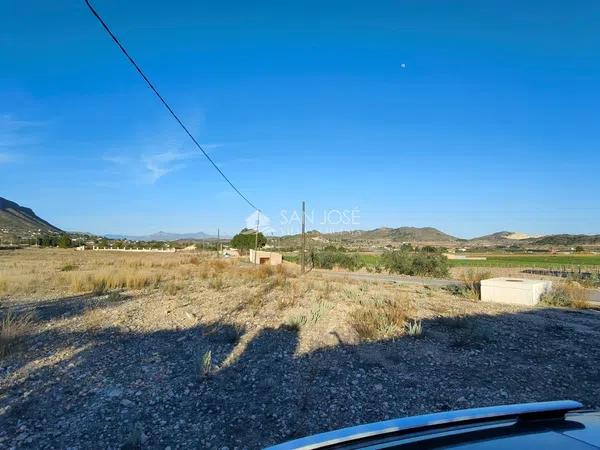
[[246, 239], [579, 248], [64, 241]]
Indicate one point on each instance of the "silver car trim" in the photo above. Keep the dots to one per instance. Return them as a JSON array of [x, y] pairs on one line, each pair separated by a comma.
[[543, 409]]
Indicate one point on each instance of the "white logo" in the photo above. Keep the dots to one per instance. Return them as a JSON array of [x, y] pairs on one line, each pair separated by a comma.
[[261, 220]]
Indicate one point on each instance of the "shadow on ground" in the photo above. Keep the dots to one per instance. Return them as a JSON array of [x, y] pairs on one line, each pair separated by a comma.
[[65, 307], [146, 390]]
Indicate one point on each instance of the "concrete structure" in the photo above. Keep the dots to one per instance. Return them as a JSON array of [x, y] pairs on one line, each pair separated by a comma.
[[143, 250], [517, 291], [230, 252], [268, 258]]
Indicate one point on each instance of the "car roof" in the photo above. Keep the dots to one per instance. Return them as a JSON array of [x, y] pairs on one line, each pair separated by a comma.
[[548, 425]]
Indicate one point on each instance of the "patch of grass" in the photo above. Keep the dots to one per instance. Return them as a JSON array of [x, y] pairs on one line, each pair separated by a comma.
[[114, 296], [318, 311], [295, 322], [472, 280], [217, 283], [12, 330], [326, 291], [99, 286], [289, 297], [3, 286], [381, 319], [93, 319], [414, 328], [172, 288], [99, 283], [566, 294], [68, 267], [206, 364]]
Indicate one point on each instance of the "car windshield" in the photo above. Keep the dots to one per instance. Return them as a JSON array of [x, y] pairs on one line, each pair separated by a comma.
[[230, 225]]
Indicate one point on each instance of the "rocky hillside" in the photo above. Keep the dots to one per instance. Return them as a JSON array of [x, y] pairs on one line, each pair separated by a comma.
[[568, 239], [19, 221], [402, 234]]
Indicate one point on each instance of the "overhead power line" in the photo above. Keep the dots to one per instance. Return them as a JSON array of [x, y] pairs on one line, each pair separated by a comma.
[[164, 102]]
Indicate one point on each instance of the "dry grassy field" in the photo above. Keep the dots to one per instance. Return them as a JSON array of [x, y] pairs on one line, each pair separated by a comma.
[[119, 350]]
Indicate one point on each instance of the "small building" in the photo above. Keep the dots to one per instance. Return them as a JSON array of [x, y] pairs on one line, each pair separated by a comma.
[[265, 258], [518, 291]]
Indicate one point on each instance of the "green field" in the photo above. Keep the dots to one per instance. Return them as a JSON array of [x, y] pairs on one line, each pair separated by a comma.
[[544, 261], [520, 260]]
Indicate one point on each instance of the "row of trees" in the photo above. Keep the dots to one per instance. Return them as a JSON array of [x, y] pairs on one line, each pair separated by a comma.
[[54, 240]]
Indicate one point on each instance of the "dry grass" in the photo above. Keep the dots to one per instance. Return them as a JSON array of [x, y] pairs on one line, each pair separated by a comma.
[[172, 287], [187, 290], [93, 320], [99, 283], [217, 283], [381, 319], [567, 294], [472, 279], [12, 329]]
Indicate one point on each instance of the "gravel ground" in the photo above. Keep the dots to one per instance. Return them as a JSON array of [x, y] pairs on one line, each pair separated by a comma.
[[106, 372]]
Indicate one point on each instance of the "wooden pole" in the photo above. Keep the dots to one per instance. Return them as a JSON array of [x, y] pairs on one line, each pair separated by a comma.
[[302, 258], [256, 236]]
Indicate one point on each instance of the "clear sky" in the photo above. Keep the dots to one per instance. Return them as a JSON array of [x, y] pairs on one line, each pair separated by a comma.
[[469, 116]]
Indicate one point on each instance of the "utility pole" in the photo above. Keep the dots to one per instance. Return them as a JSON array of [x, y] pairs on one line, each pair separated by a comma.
[[218, 241], [256, 236], [302, 258]]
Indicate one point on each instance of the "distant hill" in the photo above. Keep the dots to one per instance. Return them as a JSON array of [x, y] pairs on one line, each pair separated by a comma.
[[20, 221], [503, 236], [433, 236], [379, 236], [167, 237], [402, 234], [568, 239]]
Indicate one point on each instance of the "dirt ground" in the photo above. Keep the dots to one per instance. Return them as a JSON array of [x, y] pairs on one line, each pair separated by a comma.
[[181, 351]]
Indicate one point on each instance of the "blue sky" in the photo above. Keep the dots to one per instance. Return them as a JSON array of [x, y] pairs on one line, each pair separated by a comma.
[[468, 116]]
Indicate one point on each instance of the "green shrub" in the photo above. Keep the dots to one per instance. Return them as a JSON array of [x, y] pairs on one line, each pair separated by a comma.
[[407, 263], [568, 294], [331, 259]]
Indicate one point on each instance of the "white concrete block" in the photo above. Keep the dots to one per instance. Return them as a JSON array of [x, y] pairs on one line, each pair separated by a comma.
[[518, 291]]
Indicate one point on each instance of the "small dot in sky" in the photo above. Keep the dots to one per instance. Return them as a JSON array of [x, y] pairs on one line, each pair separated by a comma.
[[403, 65]]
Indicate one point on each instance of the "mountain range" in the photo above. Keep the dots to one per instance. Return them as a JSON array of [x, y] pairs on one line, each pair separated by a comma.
[[164, 236], [429, 235], [19, 221]]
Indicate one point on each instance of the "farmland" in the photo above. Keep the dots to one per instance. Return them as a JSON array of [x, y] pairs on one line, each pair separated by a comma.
[[499, 260], [525, 260]]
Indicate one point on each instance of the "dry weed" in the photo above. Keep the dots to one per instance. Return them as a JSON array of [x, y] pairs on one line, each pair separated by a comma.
[[381, 319], [568, 294], [472, 280], [12, 330]]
